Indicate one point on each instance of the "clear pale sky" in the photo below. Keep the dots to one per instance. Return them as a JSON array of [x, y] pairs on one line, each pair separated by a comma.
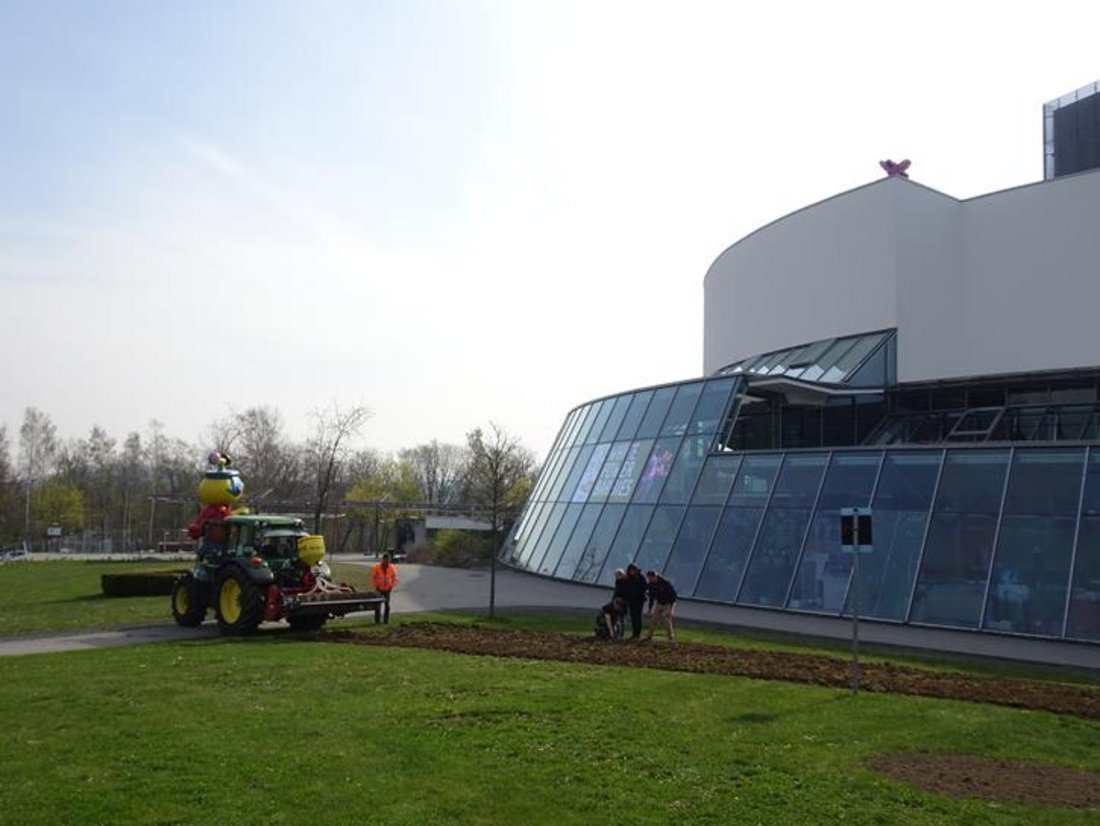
[[454, 212]]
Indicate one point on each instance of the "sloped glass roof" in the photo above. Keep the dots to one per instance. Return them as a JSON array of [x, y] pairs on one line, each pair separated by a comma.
[[830, 361]]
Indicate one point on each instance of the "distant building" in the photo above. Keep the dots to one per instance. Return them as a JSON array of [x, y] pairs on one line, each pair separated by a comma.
[[1071, 133], [891, 347]]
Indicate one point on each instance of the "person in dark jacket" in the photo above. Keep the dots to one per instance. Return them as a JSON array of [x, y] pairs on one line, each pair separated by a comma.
[[632, 588], [662, 604], [609, 622]]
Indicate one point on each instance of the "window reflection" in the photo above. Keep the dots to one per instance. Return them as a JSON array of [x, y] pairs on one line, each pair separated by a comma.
[[577, 544], [683, 565], [726, 563], [951, 585], [624, 549], [658, 538], [592, 560]]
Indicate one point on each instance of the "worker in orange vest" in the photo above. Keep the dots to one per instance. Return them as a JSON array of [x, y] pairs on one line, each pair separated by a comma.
[[383, 578]]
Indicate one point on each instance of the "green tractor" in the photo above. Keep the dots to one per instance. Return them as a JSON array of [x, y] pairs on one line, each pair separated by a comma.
[[256, 568]]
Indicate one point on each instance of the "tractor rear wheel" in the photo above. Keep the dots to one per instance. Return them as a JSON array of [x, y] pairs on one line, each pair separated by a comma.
[[238, 601], [188, 601]]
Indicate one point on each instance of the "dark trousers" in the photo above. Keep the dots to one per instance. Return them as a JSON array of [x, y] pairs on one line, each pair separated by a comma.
[[636, 619], [385, 606]]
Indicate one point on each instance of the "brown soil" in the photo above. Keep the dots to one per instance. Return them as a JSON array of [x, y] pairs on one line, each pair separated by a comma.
[[957, 775]]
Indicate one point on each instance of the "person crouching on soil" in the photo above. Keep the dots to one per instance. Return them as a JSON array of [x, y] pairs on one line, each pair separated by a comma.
[[609, 622], [383, 578], [662, 604]]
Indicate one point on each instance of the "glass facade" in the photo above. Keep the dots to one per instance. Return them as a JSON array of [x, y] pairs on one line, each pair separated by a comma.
[[972, 529]]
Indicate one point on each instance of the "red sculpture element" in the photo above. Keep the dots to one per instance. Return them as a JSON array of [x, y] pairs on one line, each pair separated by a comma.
[[211, 513], [895, 170]]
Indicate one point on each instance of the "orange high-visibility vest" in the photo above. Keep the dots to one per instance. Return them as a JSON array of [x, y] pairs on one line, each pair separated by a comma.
[[383, 579]]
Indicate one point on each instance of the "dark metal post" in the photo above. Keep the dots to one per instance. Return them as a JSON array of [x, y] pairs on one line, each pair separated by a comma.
[[855, 603]]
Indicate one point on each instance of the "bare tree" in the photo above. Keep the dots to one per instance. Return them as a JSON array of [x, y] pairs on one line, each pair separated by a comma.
[[37, 444], [328, 449], [499, 478], [438, 469]]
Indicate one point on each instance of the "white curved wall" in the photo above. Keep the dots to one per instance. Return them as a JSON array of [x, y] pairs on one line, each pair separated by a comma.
[[999, 284]]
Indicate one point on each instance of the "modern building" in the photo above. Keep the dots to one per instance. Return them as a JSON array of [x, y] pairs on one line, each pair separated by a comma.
[[933, 359]]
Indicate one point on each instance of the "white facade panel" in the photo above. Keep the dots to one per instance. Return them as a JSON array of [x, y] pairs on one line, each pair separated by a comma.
[[1005, 283], [825, 271]]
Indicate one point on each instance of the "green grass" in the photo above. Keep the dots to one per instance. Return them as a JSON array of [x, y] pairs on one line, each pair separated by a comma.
[[59, 596], [277, 730]]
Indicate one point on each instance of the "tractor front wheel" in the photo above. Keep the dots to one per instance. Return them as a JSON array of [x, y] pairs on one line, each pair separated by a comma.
[[238, 602], [188, 601]]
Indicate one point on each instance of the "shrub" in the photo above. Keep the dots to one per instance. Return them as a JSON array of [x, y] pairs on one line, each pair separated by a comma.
[[139, 584], [460, 549]]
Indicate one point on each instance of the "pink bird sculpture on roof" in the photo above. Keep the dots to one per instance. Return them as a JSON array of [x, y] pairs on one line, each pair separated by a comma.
[[895, 170]]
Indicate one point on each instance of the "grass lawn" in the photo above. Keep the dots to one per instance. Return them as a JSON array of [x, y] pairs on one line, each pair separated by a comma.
[[274, 729], [58, 596], [279, 730]]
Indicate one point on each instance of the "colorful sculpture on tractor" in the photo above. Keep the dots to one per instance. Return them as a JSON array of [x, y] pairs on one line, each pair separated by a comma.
[[254, 568], [220, 489]]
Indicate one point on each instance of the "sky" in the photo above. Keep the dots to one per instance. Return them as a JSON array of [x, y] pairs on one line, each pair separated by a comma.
[[453, 212]]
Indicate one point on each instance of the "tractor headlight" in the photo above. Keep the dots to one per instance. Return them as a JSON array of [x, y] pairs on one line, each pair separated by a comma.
[[321, 570]]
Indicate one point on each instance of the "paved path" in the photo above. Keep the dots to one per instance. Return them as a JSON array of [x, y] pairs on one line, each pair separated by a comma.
[[424, 588]]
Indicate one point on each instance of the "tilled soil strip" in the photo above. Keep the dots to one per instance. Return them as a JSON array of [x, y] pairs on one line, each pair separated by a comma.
[[1077, 700]]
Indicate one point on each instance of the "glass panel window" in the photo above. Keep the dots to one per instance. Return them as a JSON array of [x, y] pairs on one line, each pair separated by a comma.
[[716, 480], [526, 536], [771, 567], [658, 537], [561, 536], [572, 424], [973, 481], [755, 480], [951, 583], [851, 359], [690, 549], [552, 518], [587, 479], [681, 480], [609, 472], [814, 371], [1084, 597], [799, 479], [634, 413], [679, 414], [606, 406], [577, 544], [875, 372], [570, 464], [773, 361], [1030, 575], [588, 569], [900, 512], [805, 356], [656, 471], [590, 414], [628, 540], [712, 407], [615, 419], [631, 469], [655, 413], [823, 573], [726, 563], [1045, 481]]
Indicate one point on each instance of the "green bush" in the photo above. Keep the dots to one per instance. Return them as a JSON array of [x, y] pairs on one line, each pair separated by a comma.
[[454, 549], [139, 584]]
